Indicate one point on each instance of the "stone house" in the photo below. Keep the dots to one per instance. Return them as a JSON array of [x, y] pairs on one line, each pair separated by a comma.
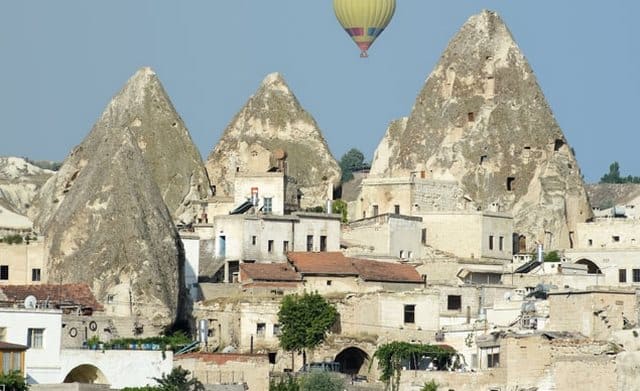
[[23, 263]]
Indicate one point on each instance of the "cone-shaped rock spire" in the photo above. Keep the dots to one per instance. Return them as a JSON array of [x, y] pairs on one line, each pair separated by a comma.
[[271, 120], [482, 119]]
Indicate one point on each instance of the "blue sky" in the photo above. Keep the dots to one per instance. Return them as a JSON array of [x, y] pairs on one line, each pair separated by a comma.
[[63, 60]]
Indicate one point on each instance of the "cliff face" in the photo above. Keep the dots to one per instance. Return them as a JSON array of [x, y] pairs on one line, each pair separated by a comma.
[[273, 119], [174, 163], [104, 213], [482, 119]]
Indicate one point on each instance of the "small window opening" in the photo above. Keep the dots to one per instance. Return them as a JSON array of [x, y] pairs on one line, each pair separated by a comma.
[[270, 246], [558, 144], [622, 275], [636, 275], [615, 238], [396, 209], [590, 242], [261, 328], [375, 210], [490, 242], [409, 313], [424, 236], [510, 181], [253, 240], [501, 243], [454, 302], [471, 117], [323, 243], [309, 242], [329, 282], [285, 246], [483, 159]]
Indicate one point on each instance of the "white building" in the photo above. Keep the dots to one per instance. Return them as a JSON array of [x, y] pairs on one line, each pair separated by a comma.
[[40, 330]]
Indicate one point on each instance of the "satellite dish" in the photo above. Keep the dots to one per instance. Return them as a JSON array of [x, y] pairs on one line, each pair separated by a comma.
[[30, 301]]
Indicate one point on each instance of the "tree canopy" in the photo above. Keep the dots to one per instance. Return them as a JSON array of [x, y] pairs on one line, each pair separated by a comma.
[[352, 161], [613, 176], [304, 321]]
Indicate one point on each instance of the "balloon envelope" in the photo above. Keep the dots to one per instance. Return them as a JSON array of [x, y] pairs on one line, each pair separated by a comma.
[[364, 20]]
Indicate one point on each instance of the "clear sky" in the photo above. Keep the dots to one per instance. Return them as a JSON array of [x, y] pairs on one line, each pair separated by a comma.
[[61, 62]]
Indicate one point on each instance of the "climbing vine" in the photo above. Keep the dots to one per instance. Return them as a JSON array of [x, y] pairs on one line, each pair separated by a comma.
[[393, 355]]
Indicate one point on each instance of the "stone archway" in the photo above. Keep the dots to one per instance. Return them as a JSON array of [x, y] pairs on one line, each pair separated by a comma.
[[352, 360], [592, 268], [86, 373]]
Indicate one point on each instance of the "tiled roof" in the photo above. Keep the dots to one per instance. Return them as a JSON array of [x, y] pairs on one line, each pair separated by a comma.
[[323, 263], [78, 294], [335, 263], [386, 271], [268, 272], [11, 346]]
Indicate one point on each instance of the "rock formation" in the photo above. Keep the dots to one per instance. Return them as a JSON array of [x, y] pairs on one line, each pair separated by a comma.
[[273, 119], [482, 119], [104, 214], [174, 162], [19, 183]]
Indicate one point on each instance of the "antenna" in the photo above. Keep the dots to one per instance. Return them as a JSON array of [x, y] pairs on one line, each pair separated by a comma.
[[30, 301]]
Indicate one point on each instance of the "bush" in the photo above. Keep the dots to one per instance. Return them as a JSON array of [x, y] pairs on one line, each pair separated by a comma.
[[13, 381], [552, 256], [430, 386], [322, 381], [290, 384], [12, 239]]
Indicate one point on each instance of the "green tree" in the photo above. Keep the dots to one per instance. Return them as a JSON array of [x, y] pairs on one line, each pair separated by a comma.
[[304, 322], [613, 176], [178, 380], [322, 381], [340, 207], [552, 256], [351, 161], [13, 381]]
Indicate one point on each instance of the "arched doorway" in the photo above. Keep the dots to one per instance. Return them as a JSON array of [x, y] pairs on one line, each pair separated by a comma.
[[86, 373], [352, 360], [592, 268]]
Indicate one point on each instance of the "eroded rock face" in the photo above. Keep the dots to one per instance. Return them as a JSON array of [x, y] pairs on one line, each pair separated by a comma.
[[107, 213], [174, 162], [113, 230], [273, 120], [482, 120]]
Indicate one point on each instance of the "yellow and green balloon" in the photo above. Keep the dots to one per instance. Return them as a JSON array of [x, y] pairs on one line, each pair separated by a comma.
[[364, 20]]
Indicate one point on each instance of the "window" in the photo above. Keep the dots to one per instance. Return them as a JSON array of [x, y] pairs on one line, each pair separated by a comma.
[[409, 313], [35, 338], [261, 328], [471, 117], [375, 210], [590, 242], [267, 205], [276, 330], [285, 246], [253, 240], [501, 243], [35, 274], [483, 159], [4, 272], [454, 302], [493, 360], [3, 334], [510, 181], [6, 362], [558, 144], [323, 243], [636, 275], [309, 242], [490, 242], [424, 236], [615, 238], [396, 209], [111, 298], [270, 246], [329, 282], [622, 275]]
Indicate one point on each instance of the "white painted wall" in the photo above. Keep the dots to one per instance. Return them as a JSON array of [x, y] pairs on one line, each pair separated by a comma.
[[268, 184], [122, 368], [42, 365], [192, 264]]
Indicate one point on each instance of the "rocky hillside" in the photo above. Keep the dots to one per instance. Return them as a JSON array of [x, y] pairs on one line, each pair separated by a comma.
[[19, 183], [482, 119], [273, 119], [143, 107], [105, 215]]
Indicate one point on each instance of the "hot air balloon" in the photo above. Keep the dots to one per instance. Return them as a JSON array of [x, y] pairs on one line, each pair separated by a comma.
[[364, 20]]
